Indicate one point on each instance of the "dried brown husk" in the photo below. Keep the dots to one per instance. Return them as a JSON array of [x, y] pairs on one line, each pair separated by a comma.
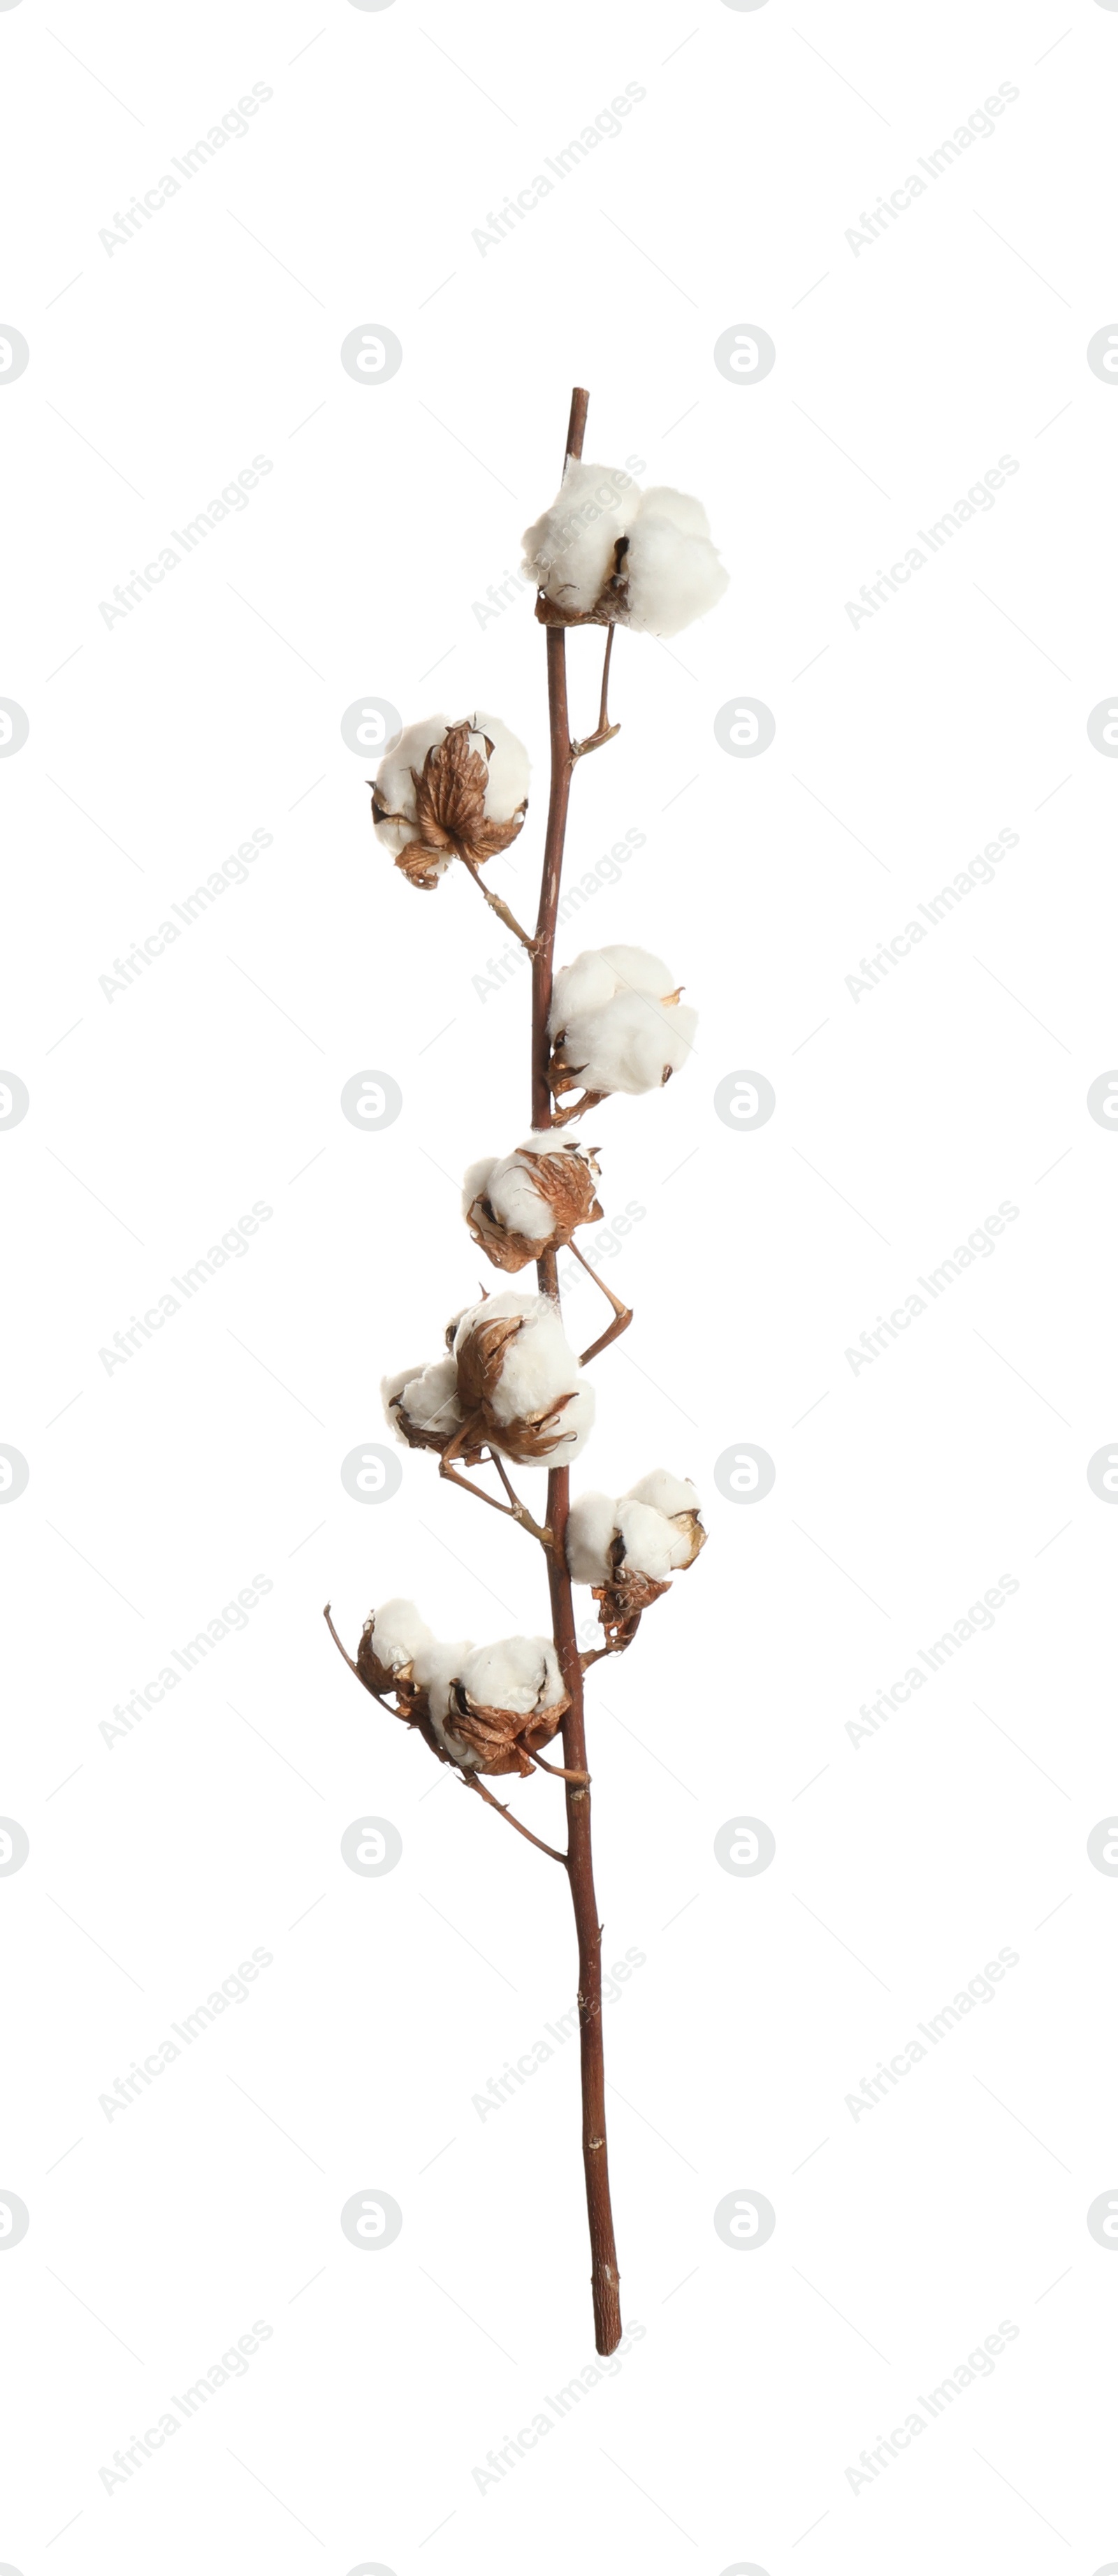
[[450, 811], [503, 1737], [566, 1180], [412, 1704], [622, 1601], [693, 1531]]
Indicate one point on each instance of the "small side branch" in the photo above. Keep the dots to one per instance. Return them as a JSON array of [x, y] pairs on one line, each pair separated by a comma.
[[605, 731], [470, 1781], [595, 1654], [622, 1315], [556, 1770], [496, 904], [513, 1510], [563, 1117], [342, 1650]]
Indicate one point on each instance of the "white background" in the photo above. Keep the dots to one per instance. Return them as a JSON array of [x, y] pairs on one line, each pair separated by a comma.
[[158, 1116]]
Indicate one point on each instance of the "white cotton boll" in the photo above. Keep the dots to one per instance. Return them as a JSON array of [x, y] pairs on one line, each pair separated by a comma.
[[569, 550], [681, 509], [475, 1180], [636, 970], [591, 1529], [648, 1540], [517, 1673], [539, 1364], [516, 1202], [666, 1493], [395, 786], [428, 1396], [671, 578], [627, 1046], [510, 769], [582, 986], [399, 1634], [598, 975], [436, 1668], [576, 1423]]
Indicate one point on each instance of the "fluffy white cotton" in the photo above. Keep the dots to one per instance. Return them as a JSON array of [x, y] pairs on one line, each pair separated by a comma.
[[654, 1522], [598, 975], [436, 1668], [513, 1195], [399, 1634], [517, 1673], [570, 549], [510, 769], [680, 509], [591, 1529], [650, 1542], [577, 1421], [475, 1180], [666, 1493], [671, 568], [427, 1395], [395, 785], [631, 1044]]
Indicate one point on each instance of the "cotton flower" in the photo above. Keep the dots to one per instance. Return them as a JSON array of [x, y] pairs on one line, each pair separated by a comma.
[[519, 1384], [628, 1550], [450, 791], [529, 1202], [605, 553], [617, 1024], [421, 1404]]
